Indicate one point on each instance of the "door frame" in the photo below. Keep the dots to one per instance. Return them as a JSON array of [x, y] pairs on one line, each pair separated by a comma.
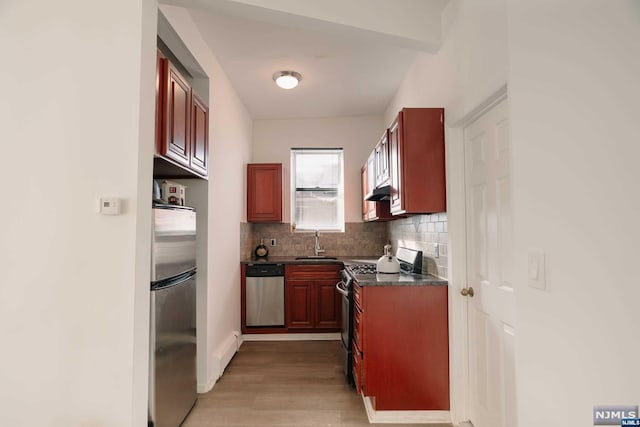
[[457, 255]]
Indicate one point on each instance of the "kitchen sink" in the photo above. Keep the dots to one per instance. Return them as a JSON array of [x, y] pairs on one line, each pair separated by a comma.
[[315, 258]]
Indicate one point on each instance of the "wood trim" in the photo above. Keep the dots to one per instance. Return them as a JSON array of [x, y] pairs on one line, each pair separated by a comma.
[[458, 330], [262, 330], [404, 417], [457, 264], [295, 336], [491, 101]]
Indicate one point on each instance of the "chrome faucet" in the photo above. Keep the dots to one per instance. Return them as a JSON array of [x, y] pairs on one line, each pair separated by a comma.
[[316, 248]]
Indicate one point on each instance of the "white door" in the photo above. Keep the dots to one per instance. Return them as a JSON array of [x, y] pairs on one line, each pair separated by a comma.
[[491, 307]]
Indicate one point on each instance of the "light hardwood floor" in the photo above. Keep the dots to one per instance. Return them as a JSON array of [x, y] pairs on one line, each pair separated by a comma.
[[290, 383]]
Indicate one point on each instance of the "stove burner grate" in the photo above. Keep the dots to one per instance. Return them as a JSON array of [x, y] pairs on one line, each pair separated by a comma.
[[362, 268]]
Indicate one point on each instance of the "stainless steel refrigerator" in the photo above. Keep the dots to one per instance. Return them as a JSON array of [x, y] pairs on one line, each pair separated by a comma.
[[172, 365]]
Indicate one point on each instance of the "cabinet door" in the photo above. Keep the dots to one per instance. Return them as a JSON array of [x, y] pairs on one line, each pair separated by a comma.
[[264, 192], [382, 160], [199, 161], [365, 203], [298, 300], [371, 183], [160, 60], [328, 304], [395, 165], [177, 97], [423, 160]]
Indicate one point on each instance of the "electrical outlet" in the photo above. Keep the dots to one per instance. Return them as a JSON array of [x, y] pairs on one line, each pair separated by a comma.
[[273, 242]]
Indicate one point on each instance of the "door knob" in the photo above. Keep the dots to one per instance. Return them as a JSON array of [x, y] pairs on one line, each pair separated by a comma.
[[467, 292]]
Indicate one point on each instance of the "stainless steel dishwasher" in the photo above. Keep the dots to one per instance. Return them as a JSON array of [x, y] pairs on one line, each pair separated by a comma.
[[265, 294]]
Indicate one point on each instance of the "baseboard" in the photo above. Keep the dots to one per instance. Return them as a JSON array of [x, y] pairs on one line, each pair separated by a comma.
[[227, 350], [405, 417], [466, 424], [328, 336], [221, 359], [205, 388]]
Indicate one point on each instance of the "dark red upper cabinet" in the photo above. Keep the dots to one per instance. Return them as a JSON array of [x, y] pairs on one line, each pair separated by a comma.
[[264, 192], [372, 211], [199, 136], [417, 162], [176, 143], [182, 123], [382, 160]]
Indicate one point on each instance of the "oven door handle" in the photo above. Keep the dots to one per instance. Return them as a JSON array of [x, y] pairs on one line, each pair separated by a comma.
[[341, 290]]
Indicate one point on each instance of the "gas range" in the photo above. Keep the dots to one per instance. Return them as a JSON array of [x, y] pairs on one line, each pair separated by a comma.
[[410, 262], [361, 268]]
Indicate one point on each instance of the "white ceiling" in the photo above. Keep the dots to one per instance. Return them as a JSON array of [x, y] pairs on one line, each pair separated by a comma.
[[352, 63]]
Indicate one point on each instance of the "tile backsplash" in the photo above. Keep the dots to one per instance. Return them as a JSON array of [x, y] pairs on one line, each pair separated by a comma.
[[360, 239], [364, 239], [421, 232]]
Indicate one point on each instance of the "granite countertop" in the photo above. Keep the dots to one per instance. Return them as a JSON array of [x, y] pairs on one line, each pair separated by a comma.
[[400, 279], [379, 279], [293, 260]]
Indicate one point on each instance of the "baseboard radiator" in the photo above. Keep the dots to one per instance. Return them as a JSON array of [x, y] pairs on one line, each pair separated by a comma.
[[220, 359], [227, 350]]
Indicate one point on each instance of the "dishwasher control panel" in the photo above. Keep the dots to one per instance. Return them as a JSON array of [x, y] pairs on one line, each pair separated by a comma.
[[264, 270]]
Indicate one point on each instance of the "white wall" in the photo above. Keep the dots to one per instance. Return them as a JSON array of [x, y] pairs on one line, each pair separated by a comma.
[[572, 74], [76, 114], [574, 94], [273, 139], [470, 66], [415, 22], [229, 150]]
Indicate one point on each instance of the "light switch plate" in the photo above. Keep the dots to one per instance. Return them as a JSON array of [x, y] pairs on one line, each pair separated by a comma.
[[537, 270]]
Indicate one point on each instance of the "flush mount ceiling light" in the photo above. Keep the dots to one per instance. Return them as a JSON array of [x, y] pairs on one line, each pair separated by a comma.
[[287, 79]]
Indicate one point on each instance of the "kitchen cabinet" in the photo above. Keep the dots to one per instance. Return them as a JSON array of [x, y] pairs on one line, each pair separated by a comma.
[[372, 211], [182, 122], [311, 299], [176, 144], [199, 159], [328, 308], [401, 346], [264, 192], [417, 161], [299, 313], [381, 151]]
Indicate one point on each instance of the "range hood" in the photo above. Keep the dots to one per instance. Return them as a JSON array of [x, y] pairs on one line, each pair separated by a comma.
[[380, 193]]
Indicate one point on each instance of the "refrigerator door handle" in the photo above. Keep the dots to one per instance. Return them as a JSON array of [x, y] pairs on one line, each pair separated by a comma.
[[174, 281]]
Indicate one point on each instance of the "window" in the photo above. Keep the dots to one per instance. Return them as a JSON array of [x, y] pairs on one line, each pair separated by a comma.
[[317, 189]]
